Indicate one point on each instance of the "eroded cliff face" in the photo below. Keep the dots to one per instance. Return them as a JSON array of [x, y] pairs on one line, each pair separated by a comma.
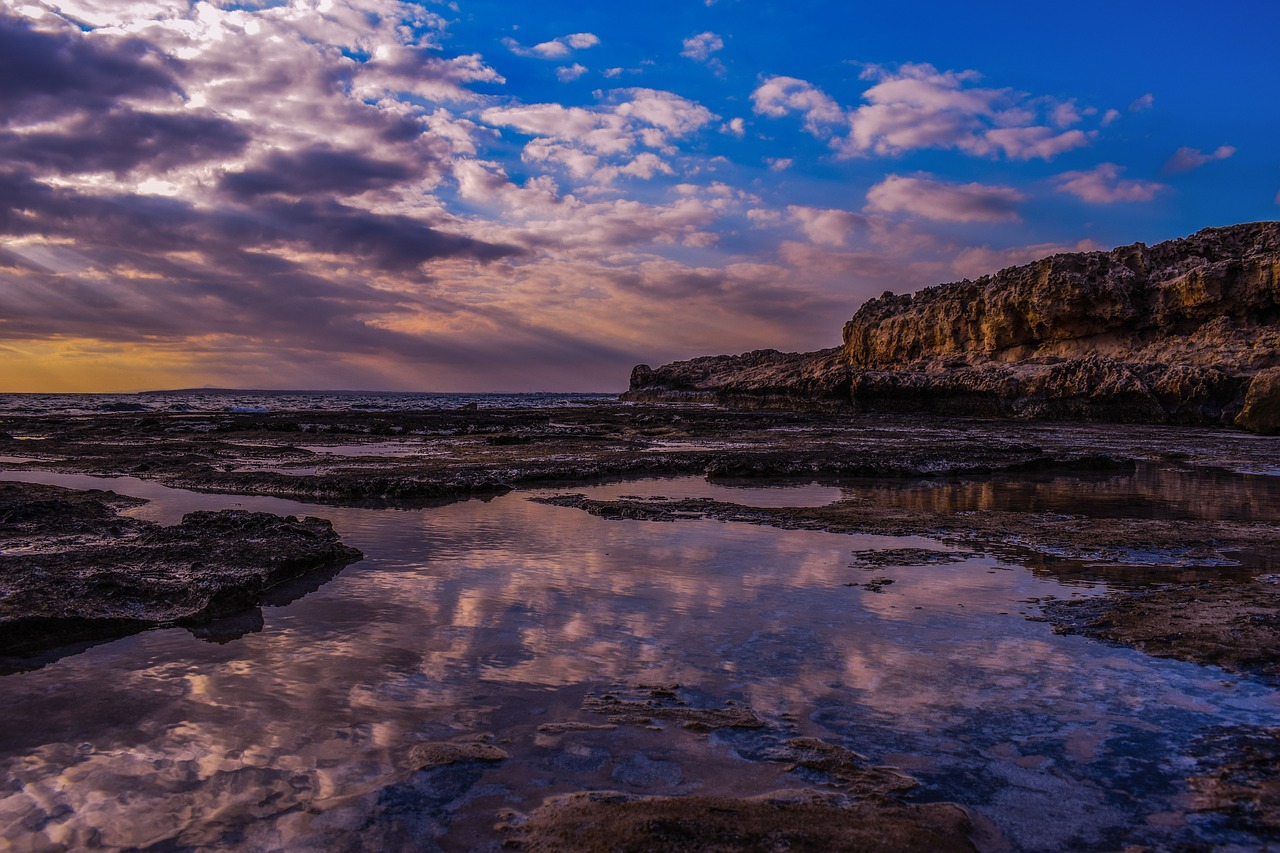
[[761, 377], [1186, 331], [1210, 300]]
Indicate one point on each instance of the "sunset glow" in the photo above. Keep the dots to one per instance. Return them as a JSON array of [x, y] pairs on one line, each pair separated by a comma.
[[370, 194]]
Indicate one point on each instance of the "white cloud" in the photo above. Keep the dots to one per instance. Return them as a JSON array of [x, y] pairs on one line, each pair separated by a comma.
[[583, 140], [557, 48], [1066, 114], [1102, 185], [917, 106], [932, 199], [700, 47], [666, 110], [734, 127], [1109, 117], [1024, 143], [779, 164], [1187, 159], [567, 73], [825, 226], [778, 96]]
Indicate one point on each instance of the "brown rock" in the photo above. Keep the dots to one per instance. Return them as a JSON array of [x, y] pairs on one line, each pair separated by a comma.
[[794, 820], [1133, 303], [1261, 412], [424, 756]]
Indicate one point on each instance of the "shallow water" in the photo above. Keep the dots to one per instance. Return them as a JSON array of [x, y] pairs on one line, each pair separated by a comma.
[[496, 617]]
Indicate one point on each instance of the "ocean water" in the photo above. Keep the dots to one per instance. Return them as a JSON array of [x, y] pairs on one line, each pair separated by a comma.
[[290, 728], [197, 401]]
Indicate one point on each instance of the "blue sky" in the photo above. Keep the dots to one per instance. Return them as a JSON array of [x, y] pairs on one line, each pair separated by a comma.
[[500, 196]]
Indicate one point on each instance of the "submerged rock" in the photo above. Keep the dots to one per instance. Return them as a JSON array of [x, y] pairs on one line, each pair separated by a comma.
[[72, 569], [1239, 778], [786, 820], [424, 756], [1232, 625]]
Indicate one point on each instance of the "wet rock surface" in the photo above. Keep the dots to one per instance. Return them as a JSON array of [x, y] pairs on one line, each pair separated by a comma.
[[844, 801], [72, 569], [424, 756], [1239, 779], [610, 821], [665, 703], [1232, 625], [394, 458], [1046, 537]]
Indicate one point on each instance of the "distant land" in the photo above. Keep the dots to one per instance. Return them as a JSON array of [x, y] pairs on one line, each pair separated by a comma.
[[1183, 332]]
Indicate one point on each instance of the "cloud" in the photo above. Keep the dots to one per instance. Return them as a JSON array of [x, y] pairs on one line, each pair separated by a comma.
[[1187, 159], [1142, 103], [825, 227], [1102, 185], [778, 96], [314, 171], [700, 47], [600, 144], [568, 73], [60, 70], [1026, 143], [557, 48], [918, 106], [121, 139], [734, 127], [932, 199], [779, 164]]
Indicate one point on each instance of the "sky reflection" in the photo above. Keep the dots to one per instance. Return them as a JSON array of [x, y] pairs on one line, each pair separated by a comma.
[[496, 617]]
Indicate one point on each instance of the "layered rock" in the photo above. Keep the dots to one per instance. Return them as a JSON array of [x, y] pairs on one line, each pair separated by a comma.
[[763, 376], [1173, 333]]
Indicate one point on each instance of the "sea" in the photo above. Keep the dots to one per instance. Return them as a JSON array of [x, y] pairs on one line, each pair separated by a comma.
[[230, 400]]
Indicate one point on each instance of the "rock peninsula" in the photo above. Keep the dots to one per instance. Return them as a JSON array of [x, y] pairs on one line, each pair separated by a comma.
[[1182, 332]]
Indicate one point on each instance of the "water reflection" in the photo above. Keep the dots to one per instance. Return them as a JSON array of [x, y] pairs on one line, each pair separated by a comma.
[[499, 617]]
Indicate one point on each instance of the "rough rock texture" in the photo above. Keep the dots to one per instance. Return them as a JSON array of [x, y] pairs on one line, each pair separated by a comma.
[[1261, 412], [609, 821], [1172, 333], [1234, 626], [71, 569], [1211, 299], [1239, 778], [769, 376]]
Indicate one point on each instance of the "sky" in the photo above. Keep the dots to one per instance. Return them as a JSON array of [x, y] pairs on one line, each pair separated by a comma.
[[498, 196]]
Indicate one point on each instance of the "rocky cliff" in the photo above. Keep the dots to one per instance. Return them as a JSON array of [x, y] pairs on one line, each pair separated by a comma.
[[1186, 331]]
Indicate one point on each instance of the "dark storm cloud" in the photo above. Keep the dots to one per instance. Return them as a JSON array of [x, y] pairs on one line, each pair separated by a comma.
[[47, 73], [122, 140], [316, 171], [391, 242]]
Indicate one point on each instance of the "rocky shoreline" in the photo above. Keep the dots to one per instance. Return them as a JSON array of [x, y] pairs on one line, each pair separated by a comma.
[[1183, 332], [73, 570], [1172, 517]]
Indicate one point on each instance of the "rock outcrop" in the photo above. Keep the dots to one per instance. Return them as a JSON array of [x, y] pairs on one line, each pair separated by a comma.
[[1186, 331], [763, 376], [72, 569]]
